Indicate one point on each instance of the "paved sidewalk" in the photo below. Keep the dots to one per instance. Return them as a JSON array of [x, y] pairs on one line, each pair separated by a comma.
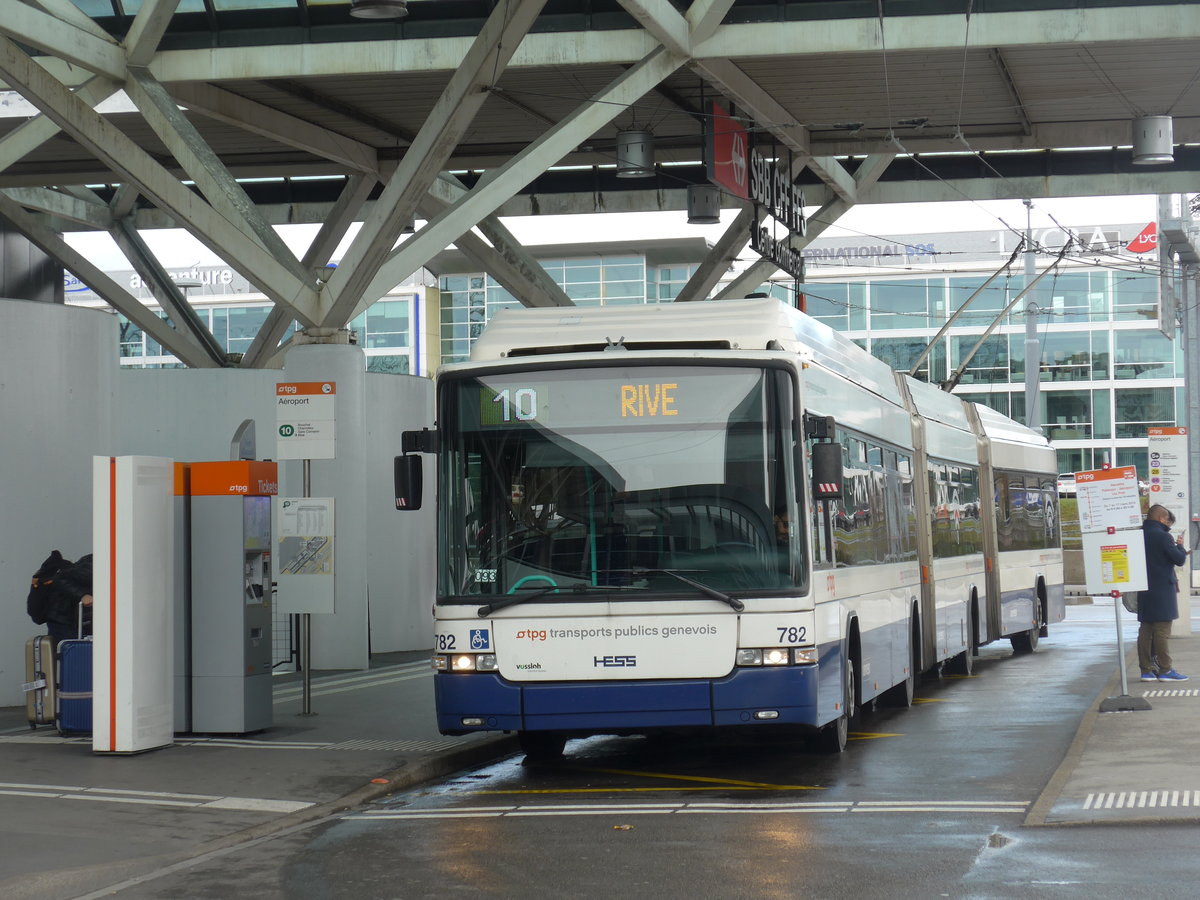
[[1133, 766], [373, 733]]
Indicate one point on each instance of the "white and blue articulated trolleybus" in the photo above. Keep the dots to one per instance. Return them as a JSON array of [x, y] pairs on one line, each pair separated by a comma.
[[715, 514]]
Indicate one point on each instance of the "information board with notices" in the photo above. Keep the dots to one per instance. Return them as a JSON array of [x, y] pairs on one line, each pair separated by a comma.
[[1108, 498]]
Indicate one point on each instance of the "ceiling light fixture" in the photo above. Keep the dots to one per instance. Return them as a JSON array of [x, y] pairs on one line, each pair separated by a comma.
[[703, 204], [1152, 141], [379, 9], [635, 154]]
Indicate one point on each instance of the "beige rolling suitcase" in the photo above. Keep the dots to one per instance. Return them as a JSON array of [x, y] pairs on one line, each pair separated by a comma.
[[41, 689]]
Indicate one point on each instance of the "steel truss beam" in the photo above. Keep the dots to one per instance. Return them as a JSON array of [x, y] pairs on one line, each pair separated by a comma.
[[445, 126], [115, 149], [763, 40], [502, 183], [184, 346]]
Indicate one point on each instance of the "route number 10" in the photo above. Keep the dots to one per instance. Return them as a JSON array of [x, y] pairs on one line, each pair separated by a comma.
[[519, 405]]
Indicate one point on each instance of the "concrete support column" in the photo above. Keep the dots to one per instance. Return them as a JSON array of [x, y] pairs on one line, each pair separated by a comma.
[[26, 273]]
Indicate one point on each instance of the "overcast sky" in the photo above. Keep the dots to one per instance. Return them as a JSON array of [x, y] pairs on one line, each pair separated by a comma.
[[177, 249]]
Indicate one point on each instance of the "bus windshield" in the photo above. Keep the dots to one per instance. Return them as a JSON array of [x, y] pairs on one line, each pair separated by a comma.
[[610, 483]]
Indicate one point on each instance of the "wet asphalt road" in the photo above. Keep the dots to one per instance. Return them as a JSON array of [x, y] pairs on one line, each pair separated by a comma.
[[926, 802]]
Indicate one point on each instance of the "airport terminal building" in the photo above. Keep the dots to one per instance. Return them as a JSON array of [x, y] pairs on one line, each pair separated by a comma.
[[1108, 372]]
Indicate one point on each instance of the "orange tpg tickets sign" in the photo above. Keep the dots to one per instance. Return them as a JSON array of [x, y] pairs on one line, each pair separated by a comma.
[[303, 388], [1124, 473], [254, 478]]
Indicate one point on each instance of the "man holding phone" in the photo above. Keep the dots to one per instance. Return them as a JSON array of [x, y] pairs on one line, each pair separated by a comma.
[[1158, 605]]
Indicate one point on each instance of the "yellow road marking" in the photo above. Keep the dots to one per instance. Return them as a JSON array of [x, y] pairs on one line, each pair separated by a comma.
[[928, 700], [647, 790], [870, 735], [726, 782]]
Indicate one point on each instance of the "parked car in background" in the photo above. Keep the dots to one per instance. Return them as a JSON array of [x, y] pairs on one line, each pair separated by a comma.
[[1066, 484]]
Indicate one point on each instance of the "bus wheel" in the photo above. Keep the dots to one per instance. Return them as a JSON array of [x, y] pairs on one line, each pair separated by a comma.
[[1026, 641], [541, 746], [833, 737], [962, 664]]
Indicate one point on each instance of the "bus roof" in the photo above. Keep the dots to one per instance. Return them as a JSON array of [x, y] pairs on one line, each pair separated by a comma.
[[751, 324], [1013, 446]]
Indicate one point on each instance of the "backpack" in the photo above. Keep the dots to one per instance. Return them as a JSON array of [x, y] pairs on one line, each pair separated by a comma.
[[42, 590], [1130, 601]]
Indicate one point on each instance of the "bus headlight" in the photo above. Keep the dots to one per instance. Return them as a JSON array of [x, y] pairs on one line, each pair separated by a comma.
[[466, 662], [749, 656], [776, 656]]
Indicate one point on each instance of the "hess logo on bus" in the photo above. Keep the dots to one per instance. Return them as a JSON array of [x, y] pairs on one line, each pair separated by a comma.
[[614, 662]]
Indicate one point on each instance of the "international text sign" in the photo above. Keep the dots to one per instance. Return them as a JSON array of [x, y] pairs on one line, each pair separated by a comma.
[[305, 420]]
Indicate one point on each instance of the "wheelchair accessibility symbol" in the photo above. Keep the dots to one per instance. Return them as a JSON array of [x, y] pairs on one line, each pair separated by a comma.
[[480, 640]]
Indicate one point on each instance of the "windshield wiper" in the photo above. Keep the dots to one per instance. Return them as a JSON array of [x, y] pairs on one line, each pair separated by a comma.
[[733, 602], [578, 587]]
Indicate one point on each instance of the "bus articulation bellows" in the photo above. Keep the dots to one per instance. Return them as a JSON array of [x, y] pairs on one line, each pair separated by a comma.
[[715, 514]]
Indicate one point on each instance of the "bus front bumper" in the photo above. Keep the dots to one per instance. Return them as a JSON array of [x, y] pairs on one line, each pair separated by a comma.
[[469, 702]]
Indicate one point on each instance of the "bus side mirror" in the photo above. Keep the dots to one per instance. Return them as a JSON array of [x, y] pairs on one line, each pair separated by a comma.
[[827, 471], [408, 479]]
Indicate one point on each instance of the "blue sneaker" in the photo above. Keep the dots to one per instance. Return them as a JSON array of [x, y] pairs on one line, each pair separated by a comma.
[[1149, 676], [1172, 676]]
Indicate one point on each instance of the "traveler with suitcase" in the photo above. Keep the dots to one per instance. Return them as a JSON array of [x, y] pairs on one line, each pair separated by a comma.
[[58, 668], [41, 676], [70, 595]]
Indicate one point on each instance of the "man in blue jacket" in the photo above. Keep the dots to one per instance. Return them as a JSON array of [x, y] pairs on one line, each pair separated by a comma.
[[1158, 605]]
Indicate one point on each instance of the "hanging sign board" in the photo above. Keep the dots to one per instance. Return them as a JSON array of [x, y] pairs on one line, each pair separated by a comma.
[[735, 166], [728, 152], [305, 420]]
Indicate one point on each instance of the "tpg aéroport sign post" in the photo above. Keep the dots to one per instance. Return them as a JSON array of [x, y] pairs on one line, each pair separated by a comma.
[[305, 429]]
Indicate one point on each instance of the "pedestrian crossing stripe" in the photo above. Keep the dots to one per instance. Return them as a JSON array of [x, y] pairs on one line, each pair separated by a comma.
[[1160, 799]]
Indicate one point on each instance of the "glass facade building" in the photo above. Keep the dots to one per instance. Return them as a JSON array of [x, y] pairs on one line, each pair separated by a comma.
[[595, 275], [1106, 372], [389, 333]]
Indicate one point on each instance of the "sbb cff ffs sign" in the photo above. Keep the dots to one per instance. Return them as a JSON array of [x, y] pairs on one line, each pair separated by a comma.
[[305, 420], [735, 166]]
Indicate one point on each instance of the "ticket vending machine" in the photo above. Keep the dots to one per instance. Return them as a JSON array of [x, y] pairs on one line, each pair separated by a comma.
[[223, 658]]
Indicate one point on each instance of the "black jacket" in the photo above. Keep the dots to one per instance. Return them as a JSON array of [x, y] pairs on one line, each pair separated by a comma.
[[1160, 601], [70, 584]]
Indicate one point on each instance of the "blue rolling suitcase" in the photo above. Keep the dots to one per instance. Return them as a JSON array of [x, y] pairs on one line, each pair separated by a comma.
[[75, 684]]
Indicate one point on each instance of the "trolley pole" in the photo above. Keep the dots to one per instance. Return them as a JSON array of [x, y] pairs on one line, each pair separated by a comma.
[[306, 627], [1033, 348]]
